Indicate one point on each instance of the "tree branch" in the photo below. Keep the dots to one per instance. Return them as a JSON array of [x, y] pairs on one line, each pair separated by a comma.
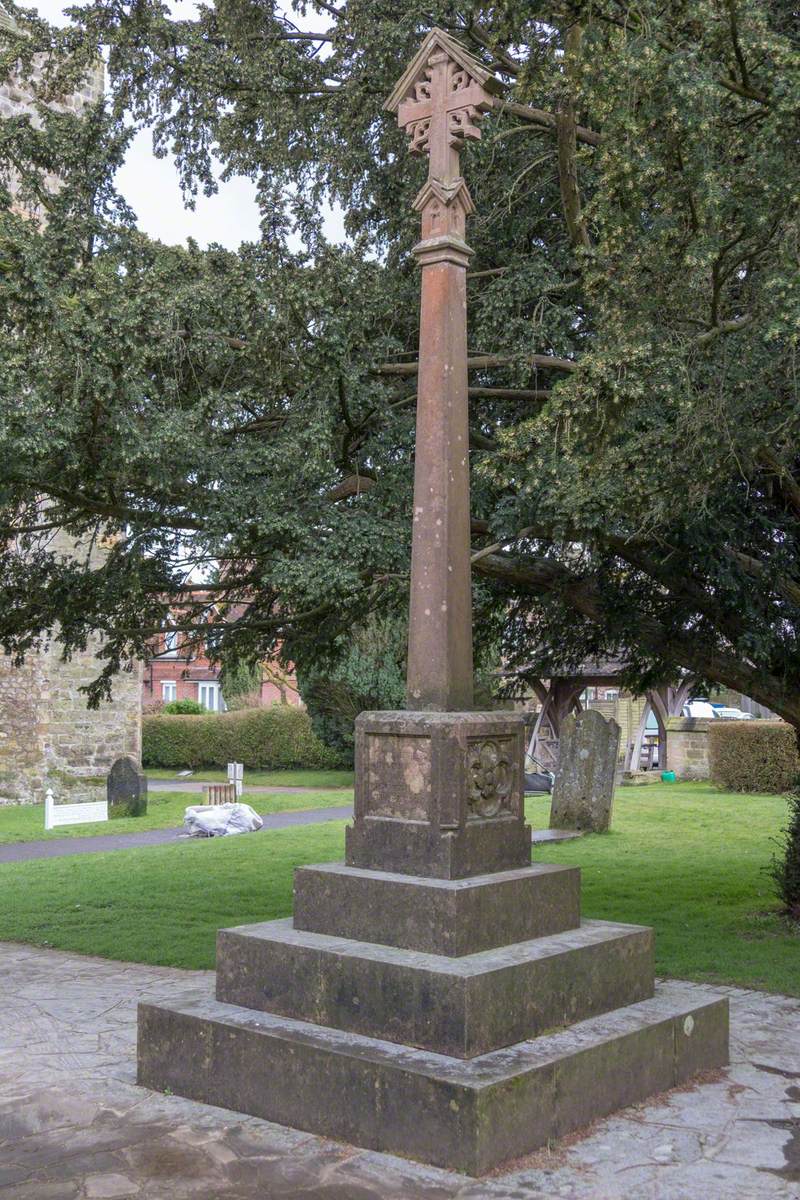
[[498, 393], [567, 150], [481, 361], [541, 576], [710, 335], [481, 35], [547, 121], [786, 481], [753, 566], [353, 485]]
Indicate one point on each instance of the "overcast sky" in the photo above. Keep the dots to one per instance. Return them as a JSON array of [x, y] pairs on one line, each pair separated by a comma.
[[150, 184]]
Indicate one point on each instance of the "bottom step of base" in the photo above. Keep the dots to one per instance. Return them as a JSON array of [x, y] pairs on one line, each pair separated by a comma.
[[469, 1115]]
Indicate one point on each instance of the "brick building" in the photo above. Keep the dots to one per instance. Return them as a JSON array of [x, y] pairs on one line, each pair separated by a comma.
[[177, 669]]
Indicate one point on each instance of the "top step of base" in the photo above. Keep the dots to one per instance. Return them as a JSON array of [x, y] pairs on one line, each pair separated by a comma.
[[453, 917]]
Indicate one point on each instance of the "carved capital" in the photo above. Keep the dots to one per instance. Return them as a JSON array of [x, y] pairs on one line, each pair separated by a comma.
[[446, 248], [444, 208]]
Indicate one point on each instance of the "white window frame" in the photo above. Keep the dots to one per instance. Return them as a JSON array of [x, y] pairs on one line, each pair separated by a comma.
[[170, 643], [169, 691], [210, 687]]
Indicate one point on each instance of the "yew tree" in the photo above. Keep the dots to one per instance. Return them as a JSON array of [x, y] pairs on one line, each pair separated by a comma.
[[246, 418]]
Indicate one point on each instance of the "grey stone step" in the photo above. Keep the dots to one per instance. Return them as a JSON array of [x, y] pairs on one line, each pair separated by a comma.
[[437, 916], [470, 1115], [462, 1007]]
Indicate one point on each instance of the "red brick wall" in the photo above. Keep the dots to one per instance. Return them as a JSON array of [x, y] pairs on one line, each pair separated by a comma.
[[186, 672]]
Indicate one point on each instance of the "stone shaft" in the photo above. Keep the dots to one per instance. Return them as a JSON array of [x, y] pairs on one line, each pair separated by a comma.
[[445, 103], [440, 628]]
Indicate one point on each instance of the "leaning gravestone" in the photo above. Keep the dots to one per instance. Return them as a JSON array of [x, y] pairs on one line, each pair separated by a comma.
[[126, 788], [584, 788]]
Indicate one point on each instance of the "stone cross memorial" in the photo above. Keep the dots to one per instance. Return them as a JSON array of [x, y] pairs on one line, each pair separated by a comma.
[[436, 995]]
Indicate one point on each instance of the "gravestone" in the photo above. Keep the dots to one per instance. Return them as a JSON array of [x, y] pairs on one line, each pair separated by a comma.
[[583, 791], [126, 788]]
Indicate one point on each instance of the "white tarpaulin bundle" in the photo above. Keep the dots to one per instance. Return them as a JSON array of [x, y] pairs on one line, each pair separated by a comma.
[[219, 820]]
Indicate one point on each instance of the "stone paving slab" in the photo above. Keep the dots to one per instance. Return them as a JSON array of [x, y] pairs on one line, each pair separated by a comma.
[[74, 1125]]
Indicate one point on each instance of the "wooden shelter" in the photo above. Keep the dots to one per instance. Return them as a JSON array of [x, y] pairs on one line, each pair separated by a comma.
[[560, 695]]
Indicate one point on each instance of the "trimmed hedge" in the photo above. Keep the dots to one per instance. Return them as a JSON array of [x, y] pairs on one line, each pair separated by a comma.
[[753, 756], [184, 708], [265, 739]]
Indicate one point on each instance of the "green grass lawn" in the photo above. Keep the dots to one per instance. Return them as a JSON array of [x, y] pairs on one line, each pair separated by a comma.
[[311, 779], [25, 822], [684, 858]]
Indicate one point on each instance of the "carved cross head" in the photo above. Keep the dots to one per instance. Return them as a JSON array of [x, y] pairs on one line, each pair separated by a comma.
[[439, 101]]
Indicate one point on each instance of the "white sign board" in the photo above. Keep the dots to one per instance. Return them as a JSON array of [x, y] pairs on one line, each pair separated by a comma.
[[72, 814], [236, 775]]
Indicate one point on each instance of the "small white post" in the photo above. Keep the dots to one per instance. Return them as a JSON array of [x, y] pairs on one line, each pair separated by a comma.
[[236, 777], [49, 805]]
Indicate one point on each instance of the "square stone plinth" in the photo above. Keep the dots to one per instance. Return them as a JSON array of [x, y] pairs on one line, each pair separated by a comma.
[[463, 1007], [439, 793], [470, 1115], [437, 916]]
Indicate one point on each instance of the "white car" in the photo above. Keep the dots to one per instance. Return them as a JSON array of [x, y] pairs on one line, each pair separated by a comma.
[[700, 708], [734, 714]]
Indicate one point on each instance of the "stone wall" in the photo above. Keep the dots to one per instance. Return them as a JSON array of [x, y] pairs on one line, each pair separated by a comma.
[[17, 100], [687, 747], [48, 737]]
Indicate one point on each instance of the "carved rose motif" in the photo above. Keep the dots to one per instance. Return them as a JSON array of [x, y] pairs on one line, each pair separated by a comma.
[[491, 774]]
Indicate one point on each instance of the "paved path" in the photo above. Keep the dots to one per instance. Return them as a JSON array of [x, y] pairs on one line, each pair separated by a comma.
[[74, 1125], [102, 843], [197, 785]]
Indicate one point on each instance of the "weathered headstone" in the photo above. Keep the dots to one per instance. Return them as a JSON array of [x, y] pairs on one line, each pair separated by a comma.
[[584, 788], [126, 788]]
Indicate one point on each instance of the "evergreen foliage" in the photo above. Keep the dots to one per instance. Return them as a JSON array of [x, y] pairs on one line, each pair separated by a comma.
[[785, 870], [753, 756], [184, 708], [365, 671], [263, 739], [638, 218], [240, 681]]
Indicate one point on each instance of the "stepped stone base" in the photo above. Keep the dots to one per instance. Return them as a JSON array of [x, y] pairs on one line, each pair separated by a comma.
[[437, 916], [465, 1115], [438, 996], [462, 1007]]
